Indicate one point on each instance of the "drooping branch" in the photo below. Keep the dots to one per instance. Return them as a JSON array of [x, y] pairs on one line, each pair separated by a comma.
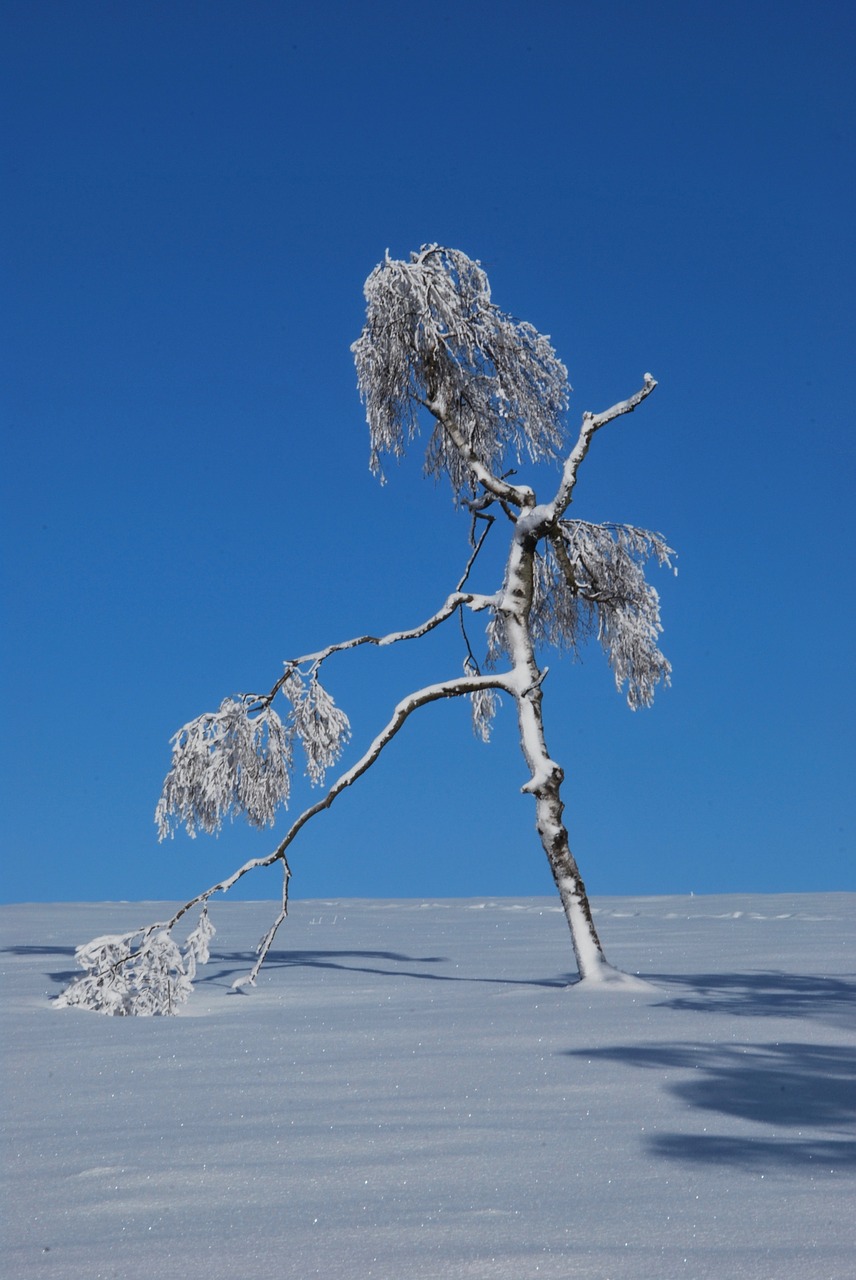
[[239, 759], [433, 337], [458, 687], [599, 581], [163, 980], [267, 941], [455, 688]]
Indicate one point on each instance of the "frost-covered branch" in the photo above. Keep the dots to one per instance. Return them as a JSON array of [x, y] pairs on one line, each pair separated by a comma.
[[495, 486], [267, 941], [446, 611], [226, 762], [143, 972], [238, 760], [138, 974], [454, 688]]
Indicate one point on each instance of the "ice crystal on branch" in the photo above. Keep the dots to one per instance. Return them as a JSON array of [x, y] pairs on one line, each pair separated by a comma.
[[432, 336], [497, 648]]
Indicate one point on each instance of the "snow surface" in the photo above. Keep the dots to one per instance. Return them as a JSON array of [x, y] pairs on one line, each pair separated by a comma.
[[413, 1092]]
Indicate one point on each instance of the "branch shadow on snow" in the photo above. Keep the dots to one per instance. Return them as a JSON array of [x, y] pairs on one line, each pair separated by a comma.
[[803, 1094], [360, 962], [34, 950], [59, 976], [224, 966]]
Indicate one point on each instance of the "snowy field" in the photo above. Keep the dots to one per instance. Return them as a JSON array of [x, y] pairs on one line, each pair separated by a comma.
[[413, 1092]]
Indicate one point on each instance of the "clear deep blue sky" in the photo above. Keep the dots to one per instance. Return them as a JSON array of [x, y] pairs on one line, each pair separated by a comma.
[[193, 196]]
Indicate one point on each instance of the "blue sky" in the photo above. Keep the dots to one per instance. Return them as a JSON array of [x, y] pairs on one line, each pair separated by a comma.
[[194, 195]]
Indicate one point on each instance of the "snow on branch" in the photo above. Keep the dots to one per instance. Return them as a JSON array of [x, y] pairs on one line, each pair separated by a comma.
[[484, 702], [139, 974], [319, 724], [144, 972], [592, 423], [238, 760], [434, 337], [225, 763]]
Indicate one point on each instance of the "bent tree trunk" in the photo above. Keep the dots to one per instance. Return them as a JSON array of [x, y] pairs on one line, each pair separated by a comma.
[[546, 775]]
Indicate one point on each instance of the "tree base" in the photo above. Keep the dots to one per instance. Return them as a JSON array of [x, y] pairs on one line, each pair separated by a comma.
[[603, 977]]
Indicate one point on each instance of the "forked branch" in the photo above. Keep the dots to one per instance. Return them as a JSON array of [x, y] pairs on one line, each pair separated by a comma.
[[591, 424], [455, 601]]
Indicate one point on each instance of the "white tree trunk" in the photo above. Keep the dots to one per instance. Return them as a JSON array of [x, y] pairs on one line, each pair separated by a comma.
[[546, 775]]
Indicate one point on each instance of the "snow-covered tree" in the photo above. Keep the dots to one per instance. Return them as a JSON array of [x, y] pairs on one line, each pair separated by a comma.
[[435, 352]]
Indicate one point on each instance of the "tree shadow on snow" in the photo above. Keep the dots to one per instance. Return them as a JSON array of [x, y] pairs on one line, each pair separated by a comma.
[[790, 1087], [761, 994]]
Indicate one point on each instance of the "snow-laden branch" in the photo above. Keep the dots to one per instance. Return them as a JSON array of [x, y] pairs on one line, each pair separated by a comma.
[[226, 762], [140, 974], [454, 688], [143, 971], [239, 759], [451, 604], [496, 486]]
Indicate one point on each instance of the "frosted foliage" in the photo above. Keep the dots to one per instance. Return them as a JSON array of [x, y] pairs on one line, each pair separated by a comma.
[[557, 617], [321, 726], [117, 981], [238, 760], [197, 946], [496, 645], [628, 607], [225, 763], [591, 580], [484, 703], [142, 973], [432, 334]]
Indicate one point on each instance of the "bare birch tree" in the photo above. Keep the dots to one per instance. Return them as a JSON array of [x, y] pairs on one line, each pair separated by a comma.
[[435, 350]]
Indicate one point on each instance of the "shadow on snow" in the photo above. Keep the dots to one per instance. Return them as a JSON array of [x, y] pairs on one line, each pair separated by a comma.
[[788, 1087], [348, 961], [760, 994]]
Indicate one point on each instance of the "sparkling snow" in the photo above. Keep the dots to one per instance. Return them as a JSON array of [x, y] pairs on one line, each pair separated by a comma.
[[413, 1092]]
